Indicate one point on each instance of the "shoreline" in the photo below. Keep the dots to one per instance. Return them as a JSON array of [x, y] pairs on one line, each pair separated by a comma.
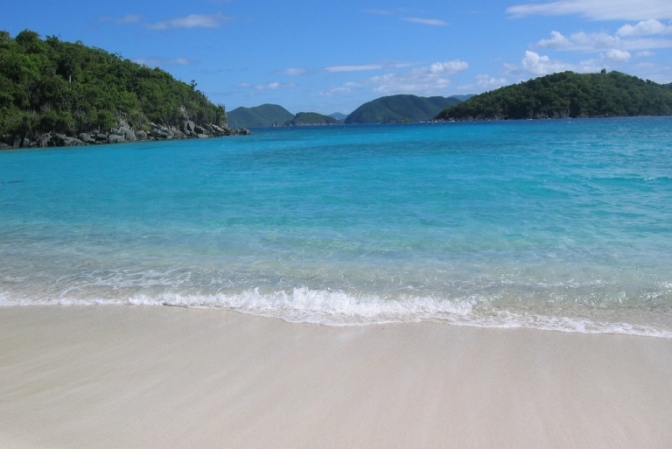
[[108, 377]]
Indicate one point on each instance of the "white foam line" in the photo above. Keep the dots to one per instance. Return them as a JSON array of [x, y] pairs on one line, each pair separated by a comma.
[[336, 308]]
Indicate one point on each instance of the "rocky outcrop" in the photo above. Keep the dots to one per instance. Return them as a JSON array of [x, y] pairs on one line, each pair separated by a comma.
[[125, 133]]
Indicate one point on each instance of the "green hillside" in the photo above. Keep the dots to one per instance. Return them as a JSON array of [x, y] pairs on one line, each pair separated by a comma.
[[259, 116], [568, 94], [311, 119], [400, 108], [338, 116], [50, 86]]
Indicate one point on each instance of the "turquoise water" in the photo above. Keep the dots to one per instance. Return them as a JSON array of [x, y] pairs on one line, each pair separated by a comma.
[[558, 224]]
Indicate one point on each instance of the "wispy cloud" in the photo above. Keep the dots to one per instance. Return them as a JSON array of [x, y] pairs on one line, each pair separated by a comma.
[[433, 22], [160, 62], [483, 83], [538, 65], [598, 9], [274, 86], [596, 42], [644, 28], [129, 18], [191, 21], [294, 71], [353, 68], [428, 80]]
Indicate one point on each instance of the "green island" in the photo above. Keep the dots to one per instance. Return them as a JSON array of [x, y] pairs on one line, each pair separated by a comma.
[[265, 115], [312, 119], [567, 94], [400, 109], [55, 93]]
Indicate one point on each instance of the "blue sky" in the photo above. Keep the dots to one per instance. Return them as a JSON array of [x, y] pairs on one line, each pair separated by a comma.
[[332, 57]]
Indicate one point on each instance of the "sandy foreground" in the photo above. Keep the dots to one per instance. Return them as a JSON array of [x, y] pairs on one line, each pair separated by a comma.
[[160, 377]]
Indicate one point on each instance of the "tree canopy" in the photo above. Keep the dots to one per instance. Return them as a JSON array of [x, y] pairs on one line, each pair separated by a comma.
[[568, 94], [400, 108], [50, 85]]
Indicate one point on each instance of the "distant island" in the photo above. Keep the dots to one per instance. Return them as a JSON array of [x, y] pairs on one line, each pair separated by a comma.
[[55, 93], [312, 119], [389, 109], [262, 116], [567, 94], [400, 109]]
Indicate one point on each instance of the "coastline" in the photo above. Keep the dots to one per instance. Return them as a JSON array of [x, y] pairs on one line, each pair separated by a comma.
[[131, 376]]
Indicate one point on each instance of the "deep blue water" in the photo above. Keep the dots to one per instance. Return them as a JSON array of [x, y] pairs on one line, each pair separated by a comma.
[[557, 224]]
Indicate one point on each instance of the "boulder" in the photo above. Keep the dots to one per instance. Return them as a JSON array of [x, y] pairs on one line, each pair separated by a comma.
[[4, 146], [189, 127], [86, 138], [113, 138], [128, 134], [141, 135], [202, 136], [200, 130]]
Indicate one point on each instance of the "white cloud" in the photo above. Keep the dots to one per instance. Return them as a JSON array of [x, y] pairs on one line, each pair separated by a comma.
[[557, 41], [191, 21], [617, 55], [543, 65], [646, 27], [597, 42], [274, 86], [644, 53], [294, 71], [483, 83], [581, 42], [433, 22], [598, 9], [160, 62], [428, 80], [424, 80]]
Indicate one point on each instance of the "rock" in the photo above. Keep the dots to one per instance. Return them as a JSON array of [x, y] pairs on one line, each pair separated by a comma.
[[141, 135], [86, 138], [72, 142], [158, 133], [4, 146], [200, 130], [128, 134], [219, 130], [100, 137], [113, 138], [202, 136], [189, 127], [179, 135]]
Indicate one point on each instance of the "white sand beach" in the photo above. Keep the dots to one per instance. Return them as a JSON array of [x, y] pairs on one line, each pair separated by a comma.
[[160, 377]]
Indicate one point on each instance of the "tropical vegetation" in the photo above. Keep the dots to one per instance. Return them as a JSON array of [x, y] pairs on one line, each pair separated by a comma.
[[400, 108], [47, 85], [568, 94]]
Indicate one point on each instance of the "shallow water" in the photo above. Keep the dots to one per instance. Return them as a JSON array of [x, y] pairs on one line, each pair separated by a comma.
[[557, 224]]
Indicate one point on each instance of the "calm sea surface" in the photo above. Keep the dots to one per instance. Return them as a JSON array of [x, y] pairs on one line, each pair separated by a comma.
[[558, 224]]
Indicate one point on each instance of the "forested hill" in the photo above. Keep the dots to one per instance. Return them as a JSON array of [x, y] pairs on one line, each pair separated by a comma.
[[399, 108], [312, 119], [50, 86], [568, 94], [259, 116]]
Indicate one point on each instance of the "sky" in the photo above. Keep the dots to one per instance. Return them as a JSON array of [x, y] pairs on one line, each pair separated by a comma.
[[312, 56]]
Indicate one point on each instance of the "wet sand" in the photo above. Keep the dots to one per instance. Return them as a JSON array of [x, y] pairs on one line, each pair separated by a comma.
[[161, 377]]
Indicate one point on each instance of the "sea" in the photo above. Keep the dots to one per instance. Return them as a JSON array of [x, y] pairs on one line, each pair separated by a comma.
[[559, 225]]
